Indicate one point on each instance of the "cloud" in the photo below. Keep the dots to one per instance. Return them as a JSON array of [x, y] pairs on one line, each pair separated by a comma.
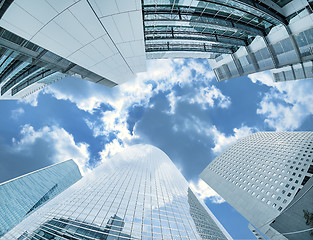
[[210, 96], [287, 104], [199, 128], [204, 191], [221, 141], [161, 77], [111, 148], [204, 96], [17, 113], [59, 143], [31, 99], [35, 149]]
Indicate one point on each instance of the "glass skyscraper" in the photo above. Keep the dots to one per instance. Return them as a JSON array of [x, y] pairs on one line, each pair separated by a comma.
[[22, 196], [108, 42], [137, 194]]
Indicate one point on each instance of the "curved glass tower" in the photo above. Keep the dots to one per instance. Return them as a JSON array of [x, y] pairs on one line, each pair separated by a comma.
[[137, 194]]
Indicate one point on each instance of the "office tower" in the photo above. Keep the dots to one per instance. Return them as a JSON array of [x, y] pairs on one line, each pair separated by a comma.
[[296, 219], [255, 232], [260, 174], [136, 194], [108, 42], [101, 41], [23, 195]]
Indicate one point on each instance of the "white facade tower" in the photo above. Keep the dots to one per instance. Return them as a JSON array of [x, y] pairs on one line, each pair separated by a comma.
[[260, 175]]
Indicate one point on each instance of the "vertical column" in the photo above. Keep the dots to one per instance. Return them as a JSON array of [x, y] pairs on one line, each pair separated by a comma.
[[272, 52], [294, 43], [238, 65], [253, 59]]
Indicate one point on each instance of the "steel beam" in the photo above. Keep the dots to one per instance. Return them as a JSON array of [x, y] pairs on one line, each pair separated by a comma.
[[237, 64], [223, 21], [255, 6], [294, 44], [185, 47], [272, 53], [4, 5], [217, 39], [253, 59], [194, 35]]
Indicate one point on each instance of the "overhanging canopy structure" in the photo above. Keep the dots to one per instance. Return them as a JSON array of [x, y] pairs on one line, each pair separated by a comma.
[[108, 42]]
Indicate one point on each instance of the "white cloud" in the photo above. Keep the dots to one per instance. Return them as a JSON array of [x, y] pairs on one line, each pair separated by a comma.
[[205, 96], [198, 128], [287, 104], [111, 149], [173, 100], [211, 96], [16, 113], [161, 76], [60, 141], [221, 141], [263, 78], [31, 99], [205, 191]]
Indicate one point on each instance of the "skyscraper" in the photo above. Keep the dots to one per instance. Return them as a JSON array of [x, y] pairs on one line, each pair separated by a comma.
[[101, 41], [260, 174], [137, 194], [22, 196], [109, 42], [296, 219]]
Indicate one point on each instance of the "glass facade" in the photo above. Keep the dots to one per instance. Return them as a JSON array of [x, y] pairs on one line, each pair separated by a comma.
[[137, 194], [23, 195], [283, 54], [213, 26], [239, 37]]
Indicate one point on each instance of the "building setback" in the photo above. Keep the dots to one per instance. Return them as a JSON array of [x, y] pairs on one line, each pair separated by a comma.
[[260, 175], [22, 196], [300, 210], [137, 194], [108, 42]]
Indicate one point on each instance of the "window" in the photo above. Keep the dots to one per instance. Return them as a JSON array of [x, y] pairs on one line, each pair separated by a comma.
[[306, 178]]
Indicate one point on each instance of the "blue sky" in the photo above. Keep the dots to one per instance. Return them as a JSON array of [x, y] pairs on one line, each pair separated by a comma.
[[177, 105]]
